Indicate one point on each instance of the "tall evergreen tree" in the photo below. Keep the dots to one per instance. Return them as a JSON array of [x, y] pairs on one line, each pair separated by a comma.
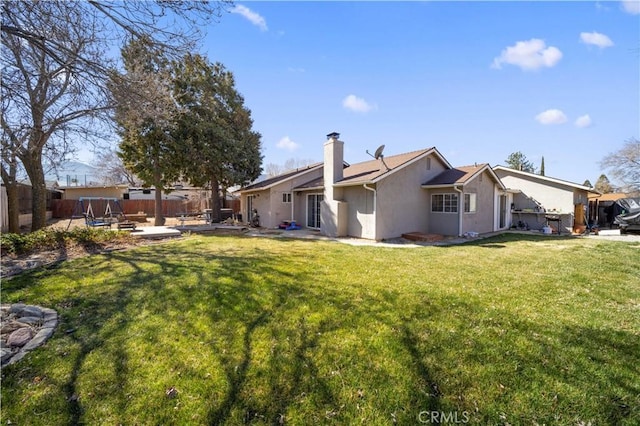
[[603, 185], [146, 115], [518, 161], [542, 166], [218, 144]]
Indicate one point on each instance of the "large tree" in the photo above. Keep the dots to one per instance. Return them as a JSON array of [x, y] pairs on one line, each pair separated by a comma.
[[603, 185], [624, 165], [55, 69], [218, 145], [48, 99], [518, 161], [147, 122], [111, 170]]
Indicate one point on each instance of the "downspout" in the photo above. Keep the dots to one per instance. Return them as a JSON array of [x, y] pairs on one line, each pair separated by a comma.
[[460, 209], [375, 197], [293, 199]]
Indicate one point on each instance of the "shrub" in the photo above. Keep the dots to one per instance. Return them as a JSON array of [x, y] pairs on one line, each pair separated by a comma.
[[52, 239]]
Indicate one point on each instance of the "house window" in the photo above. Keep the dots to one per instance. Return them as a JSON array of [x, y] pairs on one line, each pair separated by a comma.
[[444, 203], [286, 197], [428, 163], [469, 203]]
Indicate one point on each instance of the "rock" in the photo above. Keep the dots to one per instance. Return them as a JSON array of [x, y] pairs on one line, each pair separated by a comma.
[[30, 311], [39, 339], [30, 320], [10, 327], [5, 354], [20, 337], [17, 307]]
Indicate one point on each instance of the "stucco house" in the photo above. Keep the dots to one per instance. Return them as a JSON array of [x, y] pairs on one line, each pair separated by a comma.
[[418, 191], [537, 198]]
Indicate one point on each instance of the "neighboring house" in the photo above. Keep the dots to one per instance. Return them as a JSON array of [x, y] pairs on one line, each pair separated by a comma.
[[601, 207], [77, 192], [383, 198], [537, 198]]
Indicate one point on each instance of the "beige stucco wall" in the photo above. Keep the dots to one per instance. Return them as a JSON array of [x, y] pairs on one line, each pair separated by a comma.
[[269, 203], [360, 222], [403, 205], [483, 219], [552, 196], [440, 222]]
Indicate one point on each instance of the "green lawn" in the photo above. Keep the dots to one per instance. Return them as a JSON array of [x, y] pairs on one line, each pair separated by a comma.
[[516, 330]]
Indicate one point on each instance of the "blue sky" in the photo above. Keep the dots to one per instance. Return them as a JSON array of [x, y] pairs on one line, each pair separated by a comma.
[[477, 80]]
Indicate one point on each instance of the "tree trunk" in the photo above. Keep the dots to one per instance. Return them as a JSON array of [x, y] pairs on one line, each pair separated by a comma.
[[215, 200], [33, 167], [13, 207], [13, 197], [159, 216]]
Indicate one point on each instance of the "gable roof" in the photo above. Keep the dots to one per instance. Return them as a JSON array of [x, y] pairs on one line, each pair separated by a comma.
[[373, 171], [461, 176], [268, 183], [527, 175]]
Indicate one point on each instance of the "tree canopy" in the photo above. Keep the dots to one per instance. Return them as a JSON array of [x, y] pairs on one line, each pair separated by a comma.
[[218, 146], [624, 165], [518, 161], [603, 184], [55, 71], [147, 123]]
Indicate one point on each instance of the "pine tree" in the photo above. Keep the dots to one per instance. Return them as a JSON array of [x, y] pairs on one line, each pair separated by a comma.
[[218, 144], [518, 161], [542, 166]]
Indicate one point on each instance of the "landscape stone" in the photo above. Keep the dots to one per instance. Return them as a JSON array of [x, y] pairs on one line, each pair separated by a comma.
[[30, 311], [10, 327], [24, 328], [20, 337], [6, 354], [39, 339], [17, 307], [30, 320]]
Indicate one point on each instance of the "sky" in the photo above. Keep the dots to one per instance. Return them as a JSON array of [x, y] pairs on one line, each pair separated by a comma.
[[477, 80]]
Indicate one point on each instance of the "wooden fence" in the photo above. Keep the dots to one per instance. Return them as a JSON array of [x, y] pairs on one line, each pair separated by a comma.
[[170, 208]]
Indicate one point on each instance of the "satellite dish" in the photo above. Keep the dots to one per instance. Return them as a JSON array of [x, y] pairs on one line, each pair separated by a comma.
[[378, 153]]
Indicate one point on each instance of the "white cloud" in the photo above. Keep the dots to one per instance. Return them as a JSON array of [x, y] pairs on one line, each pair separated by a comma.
[[529, 55], [252, 16], [356, 104], [583, 121], [288, 144], [551, 116], [631, 6], [596, 39]]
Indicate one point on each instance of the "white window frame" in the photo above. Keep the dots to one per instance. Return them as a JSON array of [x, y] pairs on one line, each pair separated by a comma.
[[286, 197], [470, 202], [449, 203]]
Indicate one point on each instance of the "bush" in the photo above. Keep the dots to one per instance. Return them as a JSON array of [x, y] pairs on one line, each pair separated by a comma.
[[52, 239]]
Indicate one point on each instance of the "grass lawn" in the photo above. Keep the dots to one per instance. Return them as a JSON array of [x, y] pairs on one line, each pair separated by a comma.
[[516, 330]]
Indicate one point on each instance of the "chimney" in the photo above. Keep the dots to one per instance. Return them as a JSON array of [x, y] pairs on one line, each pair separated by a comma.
[[333, 159]]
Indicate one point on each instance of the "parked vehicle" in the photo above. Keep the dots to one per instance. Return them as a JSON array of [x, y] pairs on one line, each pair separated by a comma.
[[628, 220]]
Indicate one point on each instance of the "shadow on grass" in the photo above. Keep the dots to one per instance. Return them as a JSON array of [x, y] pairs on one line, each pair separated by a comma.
[[245, 292], [498, 241]]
